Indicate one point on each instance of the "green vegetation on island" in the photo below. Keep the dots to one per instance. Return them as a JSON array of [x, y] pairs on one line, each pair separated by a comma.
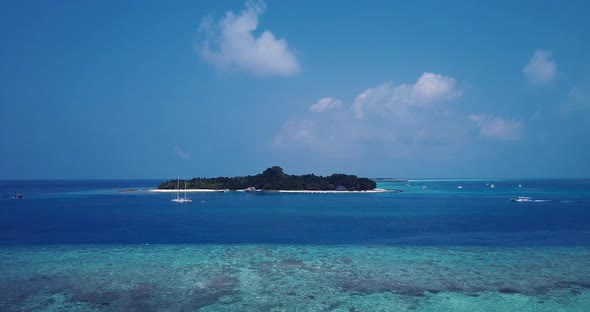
[[275, 179]]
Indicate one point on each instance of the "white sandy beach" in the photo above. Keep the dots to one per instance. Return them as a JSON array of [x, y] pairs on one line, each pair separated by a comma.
[[187, 190], [377, 190]]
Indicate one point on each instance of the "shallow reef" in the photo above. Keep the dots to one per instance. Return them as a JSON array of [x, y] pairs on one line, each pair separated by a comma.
[[293, 278]]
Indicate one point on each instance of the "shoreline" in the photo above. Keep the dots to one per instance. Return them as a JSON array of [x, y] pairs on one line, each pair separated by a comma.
[[188, 191], [376, 190]]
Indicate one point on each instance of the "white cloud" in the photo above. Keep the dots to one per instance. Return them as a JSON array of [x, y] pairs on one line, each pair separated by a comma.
[[331, 135], [387, 98], [478, 117], [500, 128], [400, 119], [432, 87], [297, 132], [497, 127], [231, 42], [541, 69], [325, 104], [181, 153]]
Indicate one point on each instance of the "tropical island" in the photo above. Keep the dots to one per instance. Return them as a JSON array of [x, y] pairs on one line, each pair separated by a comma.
[[274, 179]]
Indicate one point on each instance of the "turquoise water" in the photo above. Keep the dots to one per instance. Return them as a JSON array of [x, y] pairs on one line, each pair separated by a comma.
[[294, 278], [88, 247]]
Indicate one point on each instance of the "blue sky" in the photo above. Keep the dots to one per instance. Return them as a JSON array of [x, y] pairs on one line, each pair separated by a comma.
[[150, 89]]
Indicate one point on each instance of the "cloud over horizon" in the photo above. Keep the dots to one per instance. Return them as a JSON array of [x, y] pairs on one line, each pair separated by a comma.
[[398, 118], [541, 68], [231, 43], [388, 98], [497, 127], [403, 120]]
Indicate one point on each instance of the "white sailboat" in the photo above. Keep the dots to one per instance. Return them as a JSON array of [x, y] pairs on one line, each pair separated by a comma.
[[179, 199]]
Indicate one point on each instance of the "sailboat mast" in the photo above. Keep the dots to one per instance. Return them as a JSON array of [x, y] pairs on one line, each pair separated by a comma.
[[184, 190], [177, 186]]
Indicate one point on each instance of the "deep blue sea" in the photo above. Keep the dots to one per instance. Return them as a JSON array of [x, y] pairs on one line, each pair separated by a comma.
[[90, 246]]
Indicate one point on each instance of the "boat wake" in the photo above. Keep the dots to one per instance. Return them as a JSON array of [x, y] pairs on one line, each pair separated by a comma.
[[526, 199]]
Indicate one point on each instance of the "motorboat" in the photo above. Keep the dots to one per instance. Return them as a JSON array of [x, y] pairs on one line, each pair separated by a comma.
[[522, 199]]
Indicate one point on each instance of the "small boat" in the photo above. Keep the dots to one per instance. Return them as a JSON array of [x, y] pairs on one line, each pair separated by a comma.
[[179, 199], [424, 187], [520, 185], [522, 199], [18, 196], [492, 185], [459, 186], [250, 189]]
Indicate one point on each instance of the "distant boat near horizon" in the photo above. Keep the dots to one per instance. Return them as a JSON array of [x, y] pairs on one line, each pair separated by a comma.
[[179, 199], [522, 199]]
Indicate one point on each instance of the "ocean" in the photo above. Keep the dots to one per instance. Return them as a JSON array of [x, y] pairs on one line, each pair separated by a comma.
[[87, 246]]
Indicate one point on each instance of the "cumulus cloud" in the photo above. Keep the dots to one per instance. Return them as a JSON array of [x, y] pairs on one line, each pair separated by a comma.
[[232, 43], [541, 68], [325, 104], [402, 121], [389, 98], [497, 127], [432, 87], [398, 118]]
